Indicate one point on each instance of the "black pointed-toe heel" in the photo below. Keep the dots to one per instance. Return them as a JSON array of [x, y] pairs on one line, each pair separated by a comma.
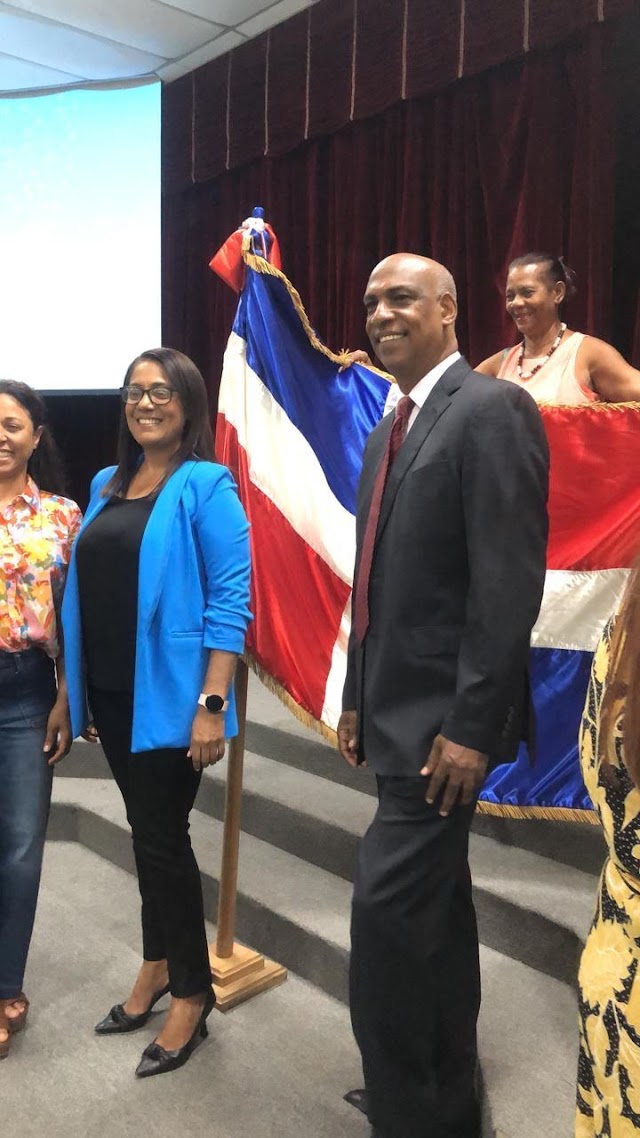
[[117, 1022], [358, 1098], [156, 1061]]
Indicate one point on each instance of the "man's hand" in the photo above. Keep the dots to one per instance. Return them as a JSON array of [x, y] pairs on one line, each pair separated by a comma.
[[348, 737], [207, 739], [58, 740], [457, 771]]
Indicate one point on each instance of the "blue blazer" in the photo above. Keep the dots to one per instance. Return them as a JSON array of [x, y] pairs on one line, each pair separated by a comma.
[[193, 595]]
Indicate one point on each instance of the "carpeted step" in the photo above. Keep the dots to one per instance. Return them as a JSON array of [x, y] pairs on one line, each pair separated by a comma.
[[531, 908]]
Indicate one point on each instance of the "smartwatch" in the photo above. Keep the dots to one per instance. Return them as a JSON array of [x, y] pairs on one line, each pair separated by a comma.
[[216, 704]]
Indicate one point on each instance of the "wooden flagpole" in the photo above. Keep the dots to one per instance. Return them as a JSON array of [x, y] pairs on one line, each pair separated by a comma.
[[237, 972]]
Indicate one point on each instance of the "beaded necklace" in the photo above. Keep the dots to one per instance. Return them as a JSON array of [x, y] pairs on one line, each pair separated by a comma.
[[555, 344]]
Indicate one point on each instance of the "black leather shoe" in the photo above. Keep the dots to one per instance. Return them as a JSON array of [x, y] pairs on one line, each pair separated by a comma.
[[156, 1061], [359, 1099], [118, 1021]]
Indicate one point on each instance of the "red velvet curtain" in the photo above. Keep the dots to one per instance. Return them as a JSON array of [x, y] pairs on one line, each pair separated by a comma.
[[520, 157]]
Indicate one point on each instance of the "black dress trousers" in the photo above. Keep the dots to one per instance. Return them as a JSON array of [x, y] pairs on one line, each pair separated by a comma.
[[159, 788], [415, 975]]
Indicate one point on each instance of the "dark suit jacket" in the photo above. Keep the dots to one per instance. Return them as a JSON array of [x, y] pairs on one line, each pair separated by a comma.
[[457, 576]]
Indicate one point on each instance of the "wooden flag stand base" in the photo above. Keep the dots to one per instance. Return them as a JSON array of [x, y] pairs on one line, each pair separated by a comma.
[[237, 972], [243, 974]]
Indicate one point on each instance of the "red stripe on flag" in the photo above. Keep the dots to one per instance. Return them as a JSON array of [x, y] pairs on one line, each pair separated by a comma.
[[297, 600], [594, 496]]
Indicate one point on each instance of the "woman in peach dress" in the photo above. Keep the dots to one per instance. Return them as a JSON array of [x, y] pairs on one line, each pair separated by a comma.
[[555, 364]]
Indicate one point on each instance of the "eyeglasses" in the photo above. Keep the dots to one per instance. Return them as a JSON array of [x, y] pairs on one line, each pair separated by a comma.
[[158, 394]]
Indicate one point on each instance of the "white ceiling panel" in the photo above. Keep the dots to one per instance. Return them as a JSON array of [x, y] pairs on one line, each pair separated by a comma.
[[51, 44], [234, 12], [146, 25], [17, 75], [213, 9], [56, 43]]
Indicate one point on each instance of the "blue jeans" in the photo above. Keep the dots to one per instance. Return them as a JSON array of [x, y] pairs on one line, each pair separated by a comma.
[[27, 694]]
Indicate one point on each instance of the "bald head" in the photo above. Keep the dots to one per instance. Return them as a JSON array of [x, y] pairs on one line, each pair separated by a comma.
[[411, 310], [411, 263]]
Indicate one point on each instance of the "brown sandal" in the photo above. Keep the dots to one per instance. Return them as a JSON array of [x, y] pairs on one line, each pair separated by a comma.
[[5, 1044], [16, 1023]]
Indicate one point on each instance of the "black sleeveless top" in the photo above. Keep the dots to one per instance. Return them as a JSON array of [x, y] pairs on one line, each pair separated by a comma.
[[107, 557]]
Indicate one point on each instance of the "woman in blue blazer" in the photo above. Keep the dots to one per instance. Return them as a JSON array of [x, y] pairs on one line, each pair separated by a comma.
[[154, 616]]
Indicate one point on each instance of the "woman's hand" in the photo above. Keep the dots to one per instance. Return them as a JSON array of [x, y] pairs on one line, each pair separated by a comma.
[[57, 742], [357, 357], [207, 739], [90, 733]]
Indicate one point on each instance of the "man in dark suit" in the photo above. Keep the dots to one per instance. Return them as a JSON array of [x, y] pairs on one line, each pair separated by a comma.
[[450, 566]]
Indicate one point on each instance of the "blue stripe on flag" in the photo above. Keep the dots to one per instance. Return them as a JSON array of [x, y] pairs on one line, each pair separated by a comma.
[[335, 413], [559, 680]]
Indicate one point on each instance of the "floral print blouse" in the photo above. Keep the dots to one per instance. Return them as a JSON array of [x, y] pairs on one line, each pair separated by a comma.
[[37, 531]]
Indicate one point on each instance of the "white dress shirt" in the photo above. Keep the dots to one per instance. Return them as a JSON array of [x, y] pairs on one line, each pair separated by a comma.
[[422, 389]]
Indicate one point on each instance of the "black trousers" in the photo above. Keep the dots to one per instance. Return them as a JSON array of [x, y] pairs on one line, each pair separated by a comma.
[[415, 975], [159, 788]]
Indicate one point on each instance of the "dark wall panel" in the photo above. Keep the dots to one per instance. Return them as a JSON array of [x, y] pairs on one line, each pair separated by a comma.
[[433, 45], [379, 46], [330, 66], [288, 83], [247, 101], [210, 86]]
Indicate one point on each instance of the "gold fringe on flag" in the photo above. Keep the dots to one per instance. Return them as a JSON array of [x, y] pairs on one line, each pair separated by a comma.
[[304, 717], [492, 809], [549, 813], [595, 405]]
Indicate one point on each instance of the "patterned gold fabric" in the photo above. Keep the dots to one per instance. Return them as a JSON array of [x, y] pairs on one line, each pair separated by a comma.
[[608, 1096]]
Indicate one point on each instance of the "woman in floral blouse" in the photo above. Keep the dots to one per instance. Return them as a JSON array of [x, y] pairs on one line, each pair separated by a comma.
[[37, 529]]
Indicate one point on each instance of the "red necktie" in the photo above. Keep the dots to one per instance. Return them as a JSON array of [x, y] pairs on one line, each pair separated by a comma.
[[361, 591]]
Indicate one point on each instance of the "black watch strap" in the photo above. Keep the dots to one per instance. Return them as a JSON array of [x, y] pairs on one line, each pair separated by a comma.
[[216, 704]]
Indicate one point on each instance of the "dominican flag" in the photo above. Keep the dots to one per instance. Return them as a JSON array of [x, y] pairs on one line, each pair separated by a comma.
[[292, 428], [594, 536]]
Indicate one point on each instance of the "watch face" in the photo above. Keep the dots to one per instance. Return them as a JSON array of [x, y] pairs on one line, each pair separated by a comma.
[[214, 703]]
